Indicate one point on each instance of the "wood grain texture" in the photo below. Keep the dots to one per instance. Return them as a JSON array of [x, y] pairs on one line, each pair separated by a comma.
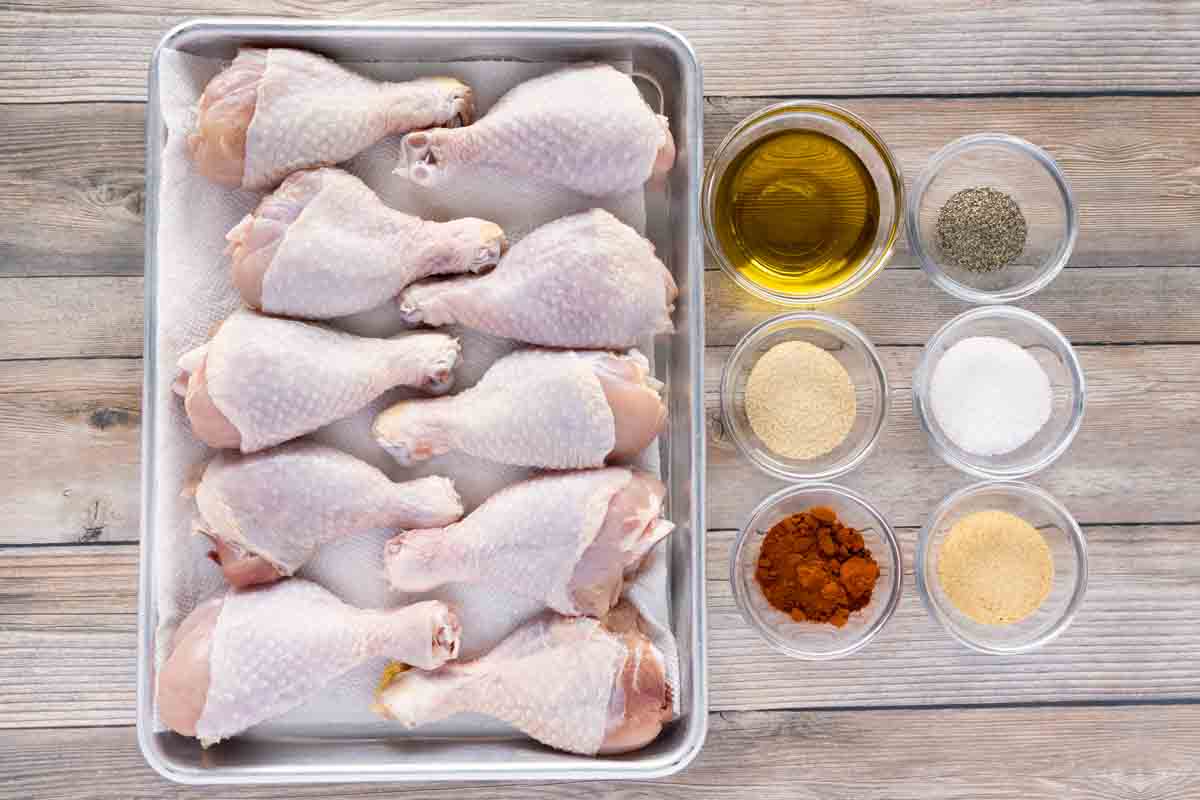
[[70, 317], [84, 317], [72, 174], [1126, 643], [1127, 464], [901, 307], [71, 444], [1149, 753], [71, 189], [66, 50], [68, 627], [70, 611]]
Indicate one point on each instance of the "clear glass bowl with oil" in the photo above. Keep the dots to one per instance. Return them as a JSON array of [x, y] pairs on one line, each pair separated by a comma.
[[802, 203]]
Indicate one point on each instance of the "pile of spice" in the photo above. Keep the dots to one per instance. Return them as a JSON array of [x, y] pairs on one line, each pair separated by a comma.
[[990, 395], [995, 567], [981, 229], [814, 568], [800, 400]]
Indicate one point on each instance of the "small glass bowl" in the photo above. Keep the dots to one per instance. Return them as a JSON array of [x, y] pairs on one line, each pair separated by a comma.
[[853, 351], [1029, 176], [1051, 350], [1068, 549], [816, 641], [850, 130]]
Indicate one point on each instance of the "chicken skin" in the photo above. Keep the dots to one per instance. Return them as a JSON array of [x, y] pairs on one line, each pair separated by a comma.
[[262, 380], [323, 245], [536, 408], [269, 512], [587, 281], [573, 683], [272, 112], [252, 654], [584, 128], [565, 539]]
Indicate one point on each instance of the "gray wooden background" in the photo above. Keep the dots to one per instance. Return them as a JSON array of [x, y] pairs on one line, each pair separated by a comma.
[[1111, 89]]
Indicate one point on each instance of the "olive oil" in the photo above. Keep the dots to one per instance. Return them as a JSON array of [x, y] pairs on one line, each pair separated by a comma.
[[796, 212]]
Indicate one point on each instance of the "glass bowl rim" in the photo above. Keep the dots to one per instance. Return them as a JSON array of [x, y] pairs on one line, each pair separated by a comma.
[[949, 452], [926, 260], [868, 270], [886, 533], [839, 327], [1074, 534]]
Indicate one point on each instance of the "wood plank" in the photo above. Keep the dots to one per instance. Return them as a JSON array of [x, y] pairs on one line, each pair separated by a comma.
[[72, 51], [1131, 461], [1133, 162], [68, 629], [85, 317], [1133, 639], [71, 189], [70, 611], [1126, 465], [901, 307], [71, 317], [71, 440], [72, 174], [1151, 753]]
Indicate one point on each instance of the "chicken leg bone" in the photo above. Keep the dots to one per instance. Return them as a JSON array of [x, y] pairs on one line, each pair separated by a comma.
[[268, 513], [323, 245], [570, 682], [585, 128], [587, 280], [566, 539], [536, 408], [272, 112], [251, 655], [261, 380]]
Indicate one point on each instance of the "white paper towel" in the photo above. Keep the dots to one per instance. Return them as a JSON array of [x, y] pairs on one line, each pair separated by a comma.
[[195, 293]]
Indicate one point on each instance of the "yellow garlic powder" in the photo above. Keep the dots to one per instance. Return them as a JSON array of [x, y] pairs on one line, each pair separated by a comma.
[[995, 567], [800, 400]]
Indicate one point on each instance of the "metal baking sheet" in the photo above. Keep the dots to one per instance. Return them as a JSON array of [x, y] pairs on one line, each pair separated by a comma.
[[668, 73]]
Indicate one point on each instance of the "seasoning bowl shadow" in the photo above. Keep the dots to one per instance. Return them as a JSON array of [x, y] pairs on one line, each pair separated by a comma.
[[1024, 172], [1068, 549], [812, 640], [1055, 355], [852, 350]]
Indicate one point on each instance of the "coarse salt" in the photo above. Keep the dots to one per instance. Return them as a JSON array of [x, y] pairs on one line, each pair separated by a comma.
[[989, 395]]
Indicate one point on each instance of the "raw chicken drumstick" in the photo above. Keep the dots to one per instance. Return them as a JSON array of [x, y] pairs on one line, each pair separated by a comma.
[[268, 513], [567, 539], [251, 655], [347, 251], [536, 408], [585, 128], [587, 280], [573, 683], [261, 381], [272, 112]]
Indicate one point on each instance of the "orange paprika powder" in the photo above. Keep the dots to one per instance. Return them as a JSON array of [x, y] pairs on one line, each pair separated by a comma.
[[814, 568]]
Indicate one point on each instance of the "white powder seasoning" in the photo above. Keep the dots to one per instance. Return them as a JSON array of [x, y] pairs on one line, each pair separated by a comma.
[[989, 395], [800, 400]]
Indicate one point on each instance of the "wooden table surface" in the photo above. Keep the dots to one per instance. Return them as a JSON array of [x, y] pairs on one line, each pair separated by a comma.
[[1111, 90]]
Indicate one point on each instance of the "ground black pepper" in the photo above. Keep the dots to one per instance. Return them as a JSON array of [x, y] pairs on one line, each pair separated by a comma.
[[981, 229]]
